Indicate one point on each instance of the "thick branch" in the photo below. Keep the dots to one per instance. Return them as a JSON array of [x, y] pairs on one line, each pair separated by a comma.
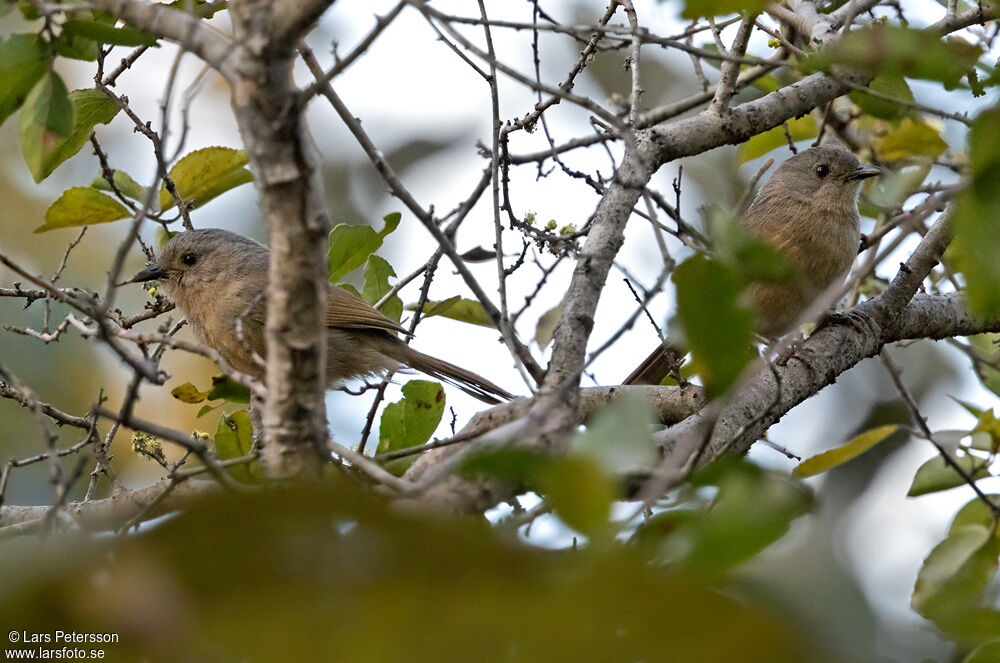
[[286, 171], [175, 25], [112, 512]]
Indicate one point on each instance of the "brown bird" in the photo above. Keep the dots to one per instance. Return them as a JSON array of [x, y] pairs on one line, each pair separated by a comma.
[[808, 211], [218, 280]]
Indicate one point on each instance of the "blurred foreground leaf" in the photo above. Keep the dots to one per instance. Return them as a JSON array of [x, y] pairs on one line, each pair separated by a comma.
[[700, 8], [752, 510], [987, 348], [889, 50], [718, 330], [889, 84], [314, 573], [976, 217]]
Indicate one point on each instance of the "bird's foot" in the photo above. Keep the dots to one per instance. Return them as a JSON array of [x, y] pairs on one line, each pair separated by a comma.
[[850, 318], [789, 350]]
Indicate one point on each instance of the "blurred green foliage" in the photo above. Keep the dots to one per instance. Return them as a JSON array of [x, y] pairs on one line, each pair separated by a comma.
[[974, 218], [328, 572]]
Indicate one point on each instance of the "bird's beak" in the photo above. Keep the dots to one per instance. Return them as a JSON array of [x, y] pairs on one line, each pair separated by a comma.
[[151, 273], [863, 173]]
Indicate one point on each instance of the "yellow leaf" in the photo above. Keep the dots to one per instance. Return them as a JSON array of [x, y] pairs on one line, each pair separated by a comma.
[[910, 139], [842, 454]]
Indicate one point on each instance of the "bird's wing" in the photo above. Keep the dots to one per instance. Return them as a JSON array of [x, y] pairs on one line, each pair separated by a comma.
[[346, 310]]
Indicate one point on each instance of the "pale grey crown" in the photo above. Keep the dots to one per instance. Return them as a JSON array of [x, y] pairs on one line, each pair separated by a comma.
[[209, 254]]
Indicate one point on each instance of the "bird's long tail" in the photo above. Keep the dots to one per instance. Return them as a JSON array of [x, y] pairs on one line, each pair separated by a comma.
[[467, 381], [653, 369]]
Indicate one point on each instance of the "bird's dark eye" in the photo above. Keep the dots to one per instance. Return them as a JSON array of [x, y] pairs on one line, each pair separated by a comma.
[[822, 170], [189, 259]]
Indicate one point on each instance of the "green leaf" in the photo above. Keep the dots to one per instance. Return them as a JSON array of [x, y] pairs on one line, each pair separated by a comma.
[[108, 34], [23, 61], [969, 407], [752, 510], [975, 217], [910, 138], [579, 493], [988, 652], [935, 475], [890, 84], [228, 390], [205, 409], [82, 206], [234, 439], [987, 348], [457, 308], [752, 258], [987, 427], [893, 188], [28, 9], [718, 330], [350, 246], [799, 128], [889, 50], [162, 237], [413, 419], [69, 45], [975, 512], [200, 8], [852, 449], [205, 174], [88, 109], [46, 118], [700, 8], [377, 273], [619, 437], [349, 288], [956, 572], [546, 326], [126, 185], [188, 393], [520, 467]]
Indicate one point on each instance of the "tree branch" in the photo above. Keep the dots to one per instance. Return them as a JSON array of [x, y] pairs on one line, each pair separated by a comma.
[[175, 25]]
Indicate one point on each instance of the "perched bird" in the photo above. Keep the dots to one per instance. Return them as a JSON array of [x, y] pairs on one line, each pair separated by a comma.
[[218, 279], [808, 211]]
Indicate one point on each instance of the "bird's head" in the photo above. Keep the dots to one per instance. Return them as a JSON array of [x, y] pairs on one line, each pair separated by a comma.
[[825, 174], [203, 261]]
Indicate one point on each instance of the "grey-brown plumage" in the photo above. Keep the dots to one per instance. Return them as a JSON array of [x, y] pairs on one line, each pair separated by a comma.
[[218, 279], [808, 210]]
